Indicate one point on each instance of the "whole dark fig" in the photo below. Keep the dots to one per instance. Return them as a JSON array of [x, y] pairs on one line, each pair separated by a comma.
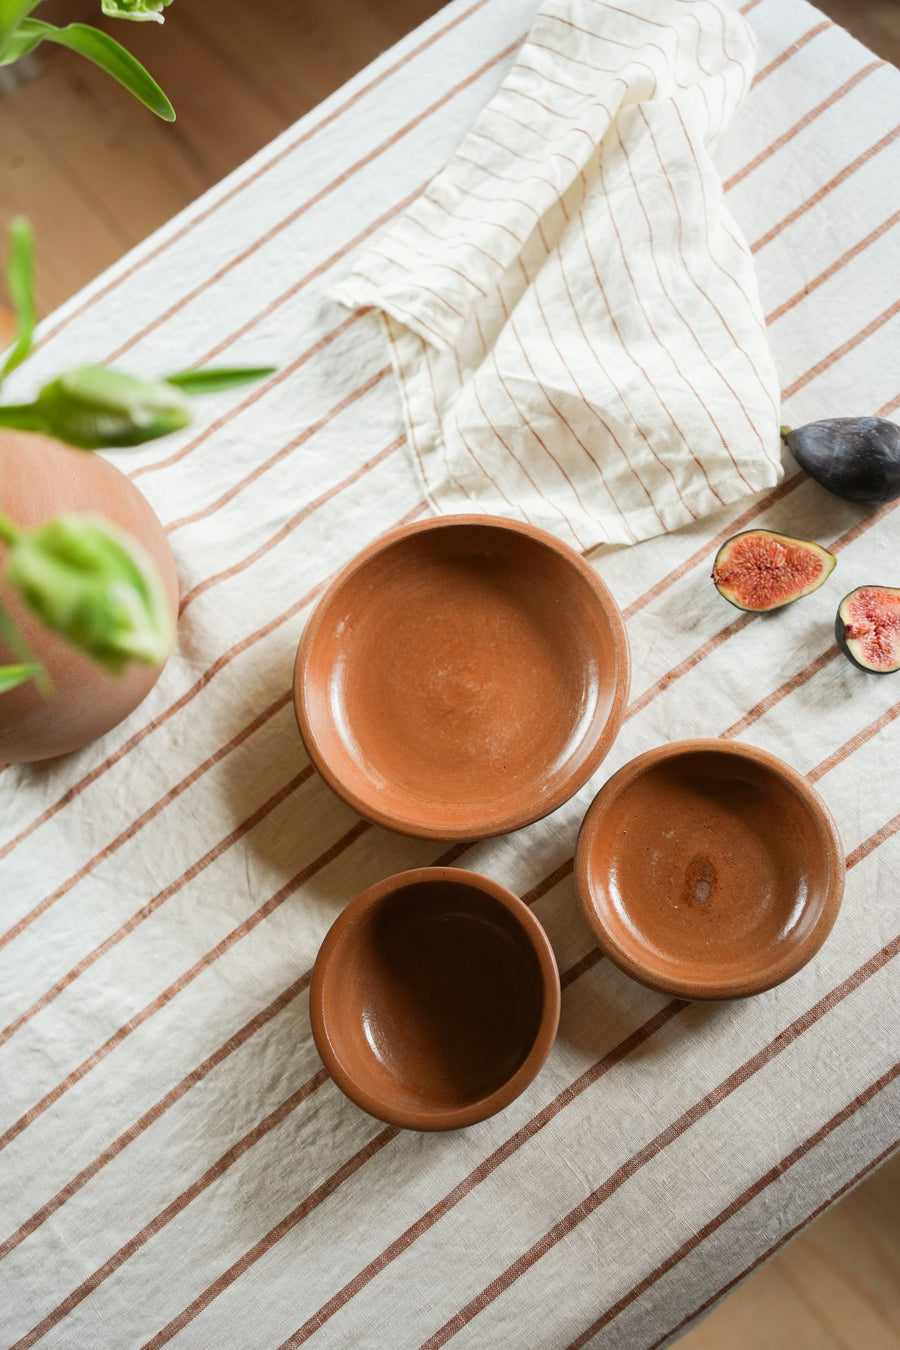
[[760, 570], [857, 458], [867, 628]]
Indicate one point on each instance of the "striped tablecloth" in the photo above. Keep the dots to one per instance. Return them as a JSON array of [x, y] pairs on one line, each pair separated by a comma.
[[175, 1164]]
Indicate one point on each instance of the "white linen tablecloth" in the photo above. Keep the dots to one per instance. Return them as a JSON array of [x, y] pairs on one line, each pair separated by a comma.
[[175, 1166]]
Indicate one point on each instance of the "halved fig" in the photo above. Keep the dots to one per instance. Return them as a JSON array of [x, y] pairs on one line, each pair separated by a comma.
[[867, 628], [857, 458], [760, 570]]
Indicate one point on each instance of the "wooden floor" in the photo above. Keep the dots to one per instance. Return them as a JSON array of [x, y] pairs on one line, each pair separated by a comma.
[[96, 174]]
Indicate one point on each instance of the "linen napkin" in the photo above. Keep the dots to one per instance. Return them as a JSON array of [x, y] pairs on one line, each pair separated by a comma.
[[572, 313]]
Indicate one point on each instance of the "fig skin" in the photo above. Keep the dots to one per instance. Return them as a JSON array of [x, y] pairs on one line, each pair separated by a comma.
[[759, 570], [852, 646], [857, 458]]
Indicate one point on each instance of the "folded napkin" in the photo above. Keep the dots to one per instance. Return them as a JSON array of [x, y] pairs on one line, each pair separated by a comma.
[[572, 313]]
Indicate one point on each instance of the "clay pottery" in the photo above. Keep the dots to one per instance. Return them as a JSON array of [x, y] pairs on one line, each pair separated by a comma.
[[40, 479], [434, 998], [709, 869], [462, 677]]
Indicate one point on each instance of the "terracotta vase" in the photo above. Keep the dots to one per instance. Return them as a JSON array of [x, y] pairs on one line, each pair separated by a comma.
[[40, 479]]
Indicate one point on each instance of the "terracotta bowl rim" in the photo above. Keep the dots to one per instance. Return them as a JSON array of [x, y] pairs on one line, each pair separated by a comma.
[[760, 978], [499, 822], [439, 1118]]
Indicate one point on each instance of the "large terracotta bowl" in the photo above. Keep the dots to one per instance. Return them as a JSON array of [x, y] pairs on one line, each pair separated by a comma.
[[435, 998], [709, 869], [462, 677], [40, 479]]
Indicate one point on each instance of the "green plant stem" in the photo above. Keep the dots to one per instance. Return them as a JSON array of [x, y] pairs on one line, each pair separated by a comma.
[[21, 417]]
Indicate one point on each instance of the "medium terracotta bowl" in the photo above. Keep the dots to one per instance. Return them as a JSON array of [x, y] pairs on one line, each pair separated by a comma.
[[709, 869], [434, 998], [462, 677]]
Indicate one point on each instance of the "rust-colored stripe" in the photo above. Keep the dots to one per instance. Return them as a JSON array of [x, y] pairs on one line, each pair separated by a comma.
[[241, 931], [219, 664], [863, 526], [338, 181], [553, 879], [751, 4], [563, 1099], [155, 902], [834, 97], [795, 682], [282, 298], [688, 664], [891, 406], [289, 1221], [140, 821], [724, 634], [887, 831], [291, 525], [774, 1174], [196, 1075], [602, 1066], [854, 744], [587, 962], [171, 1211], [826, 188], [212, 1174], [651, 1150], [782, 1241], [306, 434], [254, 177], [792, 50], [259, 392], [836, 266], [845, 347], [238, 1038]]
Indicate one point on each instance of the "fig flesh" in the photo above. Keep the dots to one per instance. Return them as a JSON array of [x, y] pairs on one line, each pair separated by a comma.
[[759, 570], [867, 628], [857, 458]]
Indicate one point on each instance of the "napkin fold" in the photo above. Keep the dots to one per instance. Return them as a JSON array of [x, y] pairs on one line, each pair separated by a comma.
[[572, 313]]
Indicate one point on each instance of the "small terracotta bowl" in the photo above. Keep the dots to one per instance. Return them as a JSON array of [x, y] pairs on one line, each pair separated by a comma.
[[462, 677], [709, 869], [434, 998]]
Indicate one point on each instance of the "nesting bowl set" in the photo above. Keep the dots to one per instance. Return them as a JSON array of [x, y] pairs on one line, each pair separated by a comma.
[[461, 678]]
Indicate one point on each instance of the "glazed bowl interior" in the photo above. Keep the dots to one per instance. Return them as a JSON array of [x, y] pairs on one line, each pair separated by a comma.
[[709, 869], [462, 677], [434, 999]]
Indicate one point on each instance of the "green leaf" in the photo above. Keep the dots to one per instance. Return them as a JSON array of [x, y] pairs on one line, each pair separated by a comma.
[[12, 12], [28, 662], [135, 9], [20, 287], [112, 57], [212, 381], [96, 587], [95, 408], [12, 676]]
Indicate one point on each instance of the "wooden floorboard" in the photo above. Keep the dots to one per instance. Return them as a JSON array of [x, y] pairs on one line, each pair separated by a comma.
[[96, 173]]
